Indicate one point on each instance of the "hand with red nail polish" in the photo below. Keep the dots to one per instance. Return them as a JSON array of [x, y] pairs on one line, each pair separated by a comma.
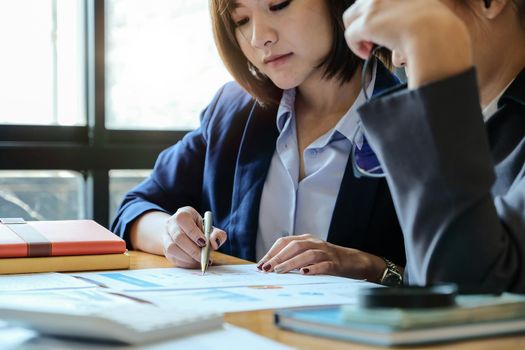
[[184, 238], [313, 256]]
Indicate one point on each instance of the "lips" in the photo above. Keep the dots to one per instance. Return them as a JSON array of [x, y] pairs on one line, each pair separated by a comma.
[[276, 58]]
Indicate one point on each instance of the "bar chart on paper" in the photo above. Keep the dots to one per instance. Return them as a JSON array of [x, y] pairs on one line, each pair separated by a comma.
[[236, 299], [216, 277]]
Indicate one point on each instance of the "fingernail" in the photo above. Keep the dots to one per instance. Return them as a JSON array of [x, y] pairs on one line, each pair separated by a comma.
[[267, 267], [209, 262], [278, 269], [260, 266], [218, 241], [305, 270], [201, 242]]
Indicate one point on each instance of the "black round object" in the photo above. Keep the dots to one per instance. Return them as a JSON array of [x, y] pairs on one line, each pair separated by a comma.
[[408, 297]]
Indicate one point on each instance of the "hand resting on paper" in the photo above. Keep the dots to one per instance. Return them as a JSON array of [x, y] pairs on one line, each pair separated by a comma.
[[313, 256]]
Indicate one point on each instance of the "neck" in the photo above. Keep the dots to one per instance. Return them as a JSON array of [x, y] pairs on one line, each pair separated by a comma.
[[492, 82], [500, 64], [321, 97]]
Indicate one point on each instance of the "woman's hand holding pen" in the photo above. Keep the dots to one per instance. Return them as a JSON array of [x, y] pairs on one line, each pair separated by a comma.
[[184, 238], [313, 256], [434, 42]]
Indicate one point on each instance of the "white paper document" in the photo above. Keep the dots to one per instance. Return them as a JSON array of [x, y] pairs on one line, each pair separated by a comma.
[[40, 281], [215, 277], [66, 300], [229, 337], [237, 299]]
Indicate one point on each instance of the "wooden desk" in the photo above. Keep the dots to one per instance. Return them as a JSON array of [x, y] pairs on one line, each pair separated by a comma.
[[261, 322]]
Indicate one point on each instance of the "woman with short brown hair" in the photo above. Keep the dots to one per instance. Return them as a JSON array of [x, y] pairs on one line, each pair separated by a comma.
[[270, 159]]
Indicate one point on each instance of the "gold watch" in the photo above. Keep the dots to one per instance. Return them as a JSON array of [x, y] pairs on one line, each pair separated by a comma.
[[391, 276]]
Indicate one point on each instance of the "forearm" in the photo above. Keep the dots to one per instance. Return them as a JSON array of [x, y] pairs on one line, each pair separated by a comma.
[[433, 146], [147, 232]]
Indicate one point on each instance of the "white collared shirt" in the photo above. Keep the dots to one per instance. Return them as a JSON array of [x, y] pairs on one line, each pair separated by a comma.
[[492, 107], [289, 207]]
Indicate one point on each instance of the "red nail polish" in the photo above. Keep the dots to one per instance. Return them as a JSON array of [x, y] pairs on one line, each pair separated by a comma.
[[267, 267], [218, 241], [260, 266], [306, 270], [201, 242]]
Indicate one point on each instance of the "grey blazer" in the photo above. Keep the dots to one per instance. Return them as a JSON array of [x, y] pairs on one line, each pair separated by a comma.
[[458, 184]]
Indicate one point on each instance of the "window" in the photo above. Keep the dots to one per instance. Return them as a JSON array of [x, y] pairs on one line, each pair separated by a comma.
[[120, 181], [42, 62], [42, 195], [158, 56], [92, 91]]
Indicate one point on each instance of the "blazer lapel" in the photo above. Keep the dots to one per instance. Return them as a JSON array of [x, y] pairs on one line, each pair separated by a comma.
[[353, 209], [356, 198], [254, 157]]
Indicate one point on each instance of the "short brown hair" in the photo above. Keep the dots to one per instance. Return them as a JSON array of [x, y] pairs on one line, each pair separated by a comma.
[[340, 62]]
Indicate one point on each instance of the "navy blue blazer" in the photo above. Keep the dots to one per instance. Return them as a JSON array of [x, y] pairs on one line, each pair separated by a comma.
[[222, 167]]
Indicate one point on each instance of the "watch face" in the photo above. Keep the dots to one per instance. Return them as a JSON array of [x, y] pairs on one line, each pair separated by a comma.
[[391, 279]]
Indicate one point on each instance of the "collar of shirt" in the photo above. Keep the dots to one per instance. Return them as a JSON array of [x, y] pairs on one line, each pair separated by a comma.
[[492, 107], [347, 127]]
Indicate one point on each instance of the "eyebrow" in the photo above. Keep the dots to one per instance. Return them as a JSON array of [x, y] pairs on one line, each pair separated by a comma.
[[236, 5]]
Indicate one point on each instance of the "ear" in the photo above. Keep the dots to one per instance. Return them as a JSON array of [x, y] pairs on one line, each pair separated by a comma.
[[494, 9]]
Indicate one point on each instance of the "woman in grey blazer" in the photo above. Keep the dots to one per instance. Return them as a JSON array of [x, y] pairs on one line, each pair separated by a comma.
[[452, 144]]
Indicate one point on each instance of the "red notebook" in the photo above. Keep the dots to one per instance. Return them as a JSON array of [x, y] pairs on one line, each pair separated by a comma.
[[19, 238]]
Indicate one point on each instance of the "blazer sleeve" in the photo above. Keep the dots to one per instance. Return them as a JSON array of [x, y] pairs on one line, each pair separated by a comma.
[[176, 179], [433, 145]]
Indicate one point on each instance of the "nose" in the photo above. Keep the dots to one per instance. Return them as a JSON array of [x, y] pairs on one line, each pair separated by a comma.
[[263, 35], [398, 59]]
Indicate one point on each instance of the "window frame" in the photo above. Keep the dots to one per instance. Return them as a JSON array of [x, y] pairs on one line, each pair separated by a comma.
[[91, 150]]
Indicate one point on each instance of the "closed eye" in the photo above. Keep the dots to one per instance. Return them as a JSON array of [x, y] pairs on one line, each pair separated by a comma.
[[280, 6], [241, 22]]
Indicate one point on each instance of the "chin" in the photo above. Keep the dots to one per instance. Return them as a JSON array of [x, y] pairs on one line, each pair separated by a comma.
[[286, 84]]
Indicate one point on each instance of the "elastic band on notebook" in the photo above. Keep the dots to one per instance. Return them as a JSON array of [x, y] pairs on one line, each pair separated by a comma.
[[408, 297], [37, 244]]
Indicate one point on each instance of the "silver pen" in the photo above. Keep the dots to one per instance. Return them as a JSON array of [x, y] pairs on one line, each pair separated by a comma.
[[205, 251]]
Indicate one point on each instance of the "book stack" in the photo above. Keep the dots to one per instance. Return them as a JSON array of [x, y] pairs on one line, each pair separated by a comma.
[[59, 246], [473, 316]]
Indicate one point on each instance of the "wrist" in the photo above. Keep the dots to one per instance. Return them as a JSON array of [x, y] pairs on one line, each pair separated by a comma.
[[376, 268]]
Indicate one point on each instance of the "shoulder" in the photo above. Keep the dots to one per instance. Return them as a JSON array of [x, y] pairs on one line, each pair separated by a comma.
[[230, 99], [228, 111]]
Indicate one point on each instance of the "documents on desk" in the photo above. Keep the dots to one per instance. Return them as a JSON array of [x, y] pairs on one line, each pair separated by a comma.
[[216, 277], [40, 281], [96, 314], [160, 303], [229, 337], [102, 315], [236, 299]]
